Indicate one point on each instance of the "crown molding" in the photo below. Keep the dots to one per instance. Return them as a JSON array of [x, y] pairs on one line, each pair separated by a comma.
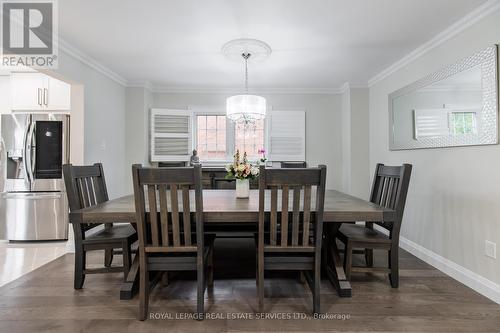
[[239, 90], [141, 84], [476, 15], [72, 51], [350, 85]]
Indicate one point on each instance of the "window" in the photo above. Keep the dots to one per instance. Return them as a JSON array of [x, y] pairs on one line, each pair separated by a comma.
[[463, 123], [218, 139], [250, 138], [174, 133], [211, 137]]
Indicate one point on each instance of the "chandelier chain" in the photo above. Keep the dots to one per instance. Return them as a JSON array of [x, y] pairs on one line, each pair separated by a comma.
[[246, 56]]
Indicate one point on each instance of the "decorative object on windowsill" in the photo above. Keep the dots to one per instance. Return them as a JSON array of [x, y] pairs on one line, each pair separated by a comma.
[[246, 108], [195, 159], [242, 171], [263, 158]]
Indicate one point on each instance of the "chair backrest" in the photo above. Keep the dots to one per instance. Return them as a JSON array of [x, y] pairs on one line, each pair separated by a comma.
[[85, 187], [163, 208], [285, 228], [288, 165], [389, 189]]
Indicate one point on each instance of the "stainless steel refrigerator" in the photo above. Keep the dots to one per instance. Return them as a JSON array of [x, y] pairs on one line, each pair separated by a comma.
[[33, 203]]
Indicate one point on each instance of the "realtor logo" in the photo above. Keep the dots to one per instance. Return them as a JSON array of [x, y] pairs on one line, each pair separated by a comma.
[[29, 33]]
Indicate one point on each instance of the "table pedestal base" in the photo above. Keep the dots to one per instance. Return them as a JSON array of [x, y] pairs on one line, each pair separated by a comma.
[[333, 264]]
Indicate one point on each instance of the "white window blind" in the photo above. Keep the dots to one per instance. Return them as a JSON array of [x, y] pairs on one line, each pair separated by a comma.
[[431, 123], [287, 136], [171, 133]]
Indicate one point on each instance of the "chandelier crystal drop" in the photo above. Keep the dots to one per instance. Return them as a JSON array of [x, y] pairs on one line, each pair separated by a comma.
[[246, 108]]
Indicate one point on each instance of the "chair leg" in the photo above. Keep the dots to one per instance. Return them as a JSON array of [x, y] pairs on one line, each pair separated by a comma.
[[164, 279], [80, 263], [394, 266], [127, 261], [260, 283], [108, 257], [302, 278], [348, 260], [256, 268], [369, 257], [317, 286], [211, 268], [143, 292], [201, 290]]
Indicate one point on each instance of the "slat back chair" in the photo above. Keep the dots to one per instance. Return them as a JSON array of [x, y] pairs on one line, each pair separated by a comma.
[[292, 165], [164, 225], [290, 237], [389, 189], [86, 187]]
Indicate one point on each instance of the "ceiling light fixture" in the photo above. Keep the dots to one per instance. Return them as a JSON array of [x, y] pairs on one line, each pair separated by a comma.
[[246, 108]]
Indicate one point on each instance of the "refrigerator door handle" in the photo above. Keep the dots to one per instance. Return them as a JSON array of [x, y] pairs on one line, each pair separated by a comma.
[[25, 154], [31, 130], [31, 195], [32, 152]]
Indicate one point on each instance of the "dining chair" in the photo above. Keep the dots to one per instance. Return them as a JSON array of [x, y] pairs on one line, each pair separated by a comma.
[[86, 187], [166, 241], [288, 165], [389, 189], [291, 240]]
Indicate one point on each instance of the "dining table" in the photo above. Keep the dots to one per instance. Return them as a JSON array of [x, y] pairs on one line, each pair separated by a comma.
[[222, 208]]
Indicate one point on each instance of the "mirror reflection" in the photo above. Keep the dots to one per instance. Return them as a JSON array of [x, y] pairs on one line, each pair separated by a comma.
[[446, 112]]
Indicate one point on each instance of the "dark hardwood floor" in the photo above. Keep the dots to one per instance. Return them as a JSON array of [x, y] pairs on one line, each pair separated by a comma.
[[426, 301]]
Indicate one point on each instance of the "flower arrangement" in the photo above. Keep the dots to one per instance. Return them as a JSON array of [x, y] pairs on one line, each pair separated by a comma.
[[263, 157], [241, 168]]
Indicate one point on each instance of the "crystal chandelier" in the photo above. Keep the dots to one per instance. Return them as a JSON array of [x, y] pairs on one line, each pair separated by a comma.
[[246, 108]]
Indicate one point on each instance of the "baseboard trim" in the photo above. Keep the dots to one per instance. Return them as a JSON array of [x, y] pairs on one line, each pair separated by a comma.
[[70, 246], [472, 280]]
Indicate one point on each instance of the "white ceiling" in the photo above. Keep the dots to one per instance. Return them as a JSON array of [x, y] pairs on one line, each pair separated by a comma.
[[317, 44]]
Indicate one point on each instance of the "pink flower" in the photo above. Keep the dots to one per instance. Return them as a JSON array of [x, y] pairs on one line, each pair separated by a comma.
[[262, 151]]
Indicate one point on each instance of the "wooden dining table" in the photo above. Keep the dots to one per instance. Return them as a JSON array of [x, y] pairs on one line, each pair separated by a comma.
[[221, 207]]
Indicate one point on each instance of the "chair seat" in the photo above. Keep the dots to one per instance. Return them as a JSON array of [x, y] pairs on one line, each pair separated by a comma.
[[114, 233], [288, 261], [179, 261], [360, 233]]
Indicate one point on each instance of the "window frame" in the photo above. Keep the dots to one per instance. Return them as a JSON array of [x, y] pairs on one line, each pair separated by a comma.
[[230, 136]]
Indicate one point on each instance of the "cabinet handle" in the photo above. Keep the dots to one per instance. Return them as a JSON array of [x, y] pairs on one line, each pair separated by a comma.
[[46, 96], [39, 99]]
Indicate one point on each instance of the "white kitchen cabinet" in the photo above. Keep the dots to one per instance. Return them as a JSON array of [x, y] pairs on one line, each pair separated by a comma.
[[27, 90], [58, 95], [4, 95], [37, 91]]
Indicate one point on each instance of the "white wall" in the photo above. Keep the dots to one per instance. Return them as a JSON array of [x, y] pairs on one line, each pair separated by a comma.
[[138, 102], [323, 122], [355, 156], [453, 201], [346, 140], [104, 117]]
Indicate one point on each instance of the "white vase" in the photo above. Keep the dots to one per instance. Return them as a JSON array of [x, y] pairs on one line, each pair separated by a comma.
[[242, 188]]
